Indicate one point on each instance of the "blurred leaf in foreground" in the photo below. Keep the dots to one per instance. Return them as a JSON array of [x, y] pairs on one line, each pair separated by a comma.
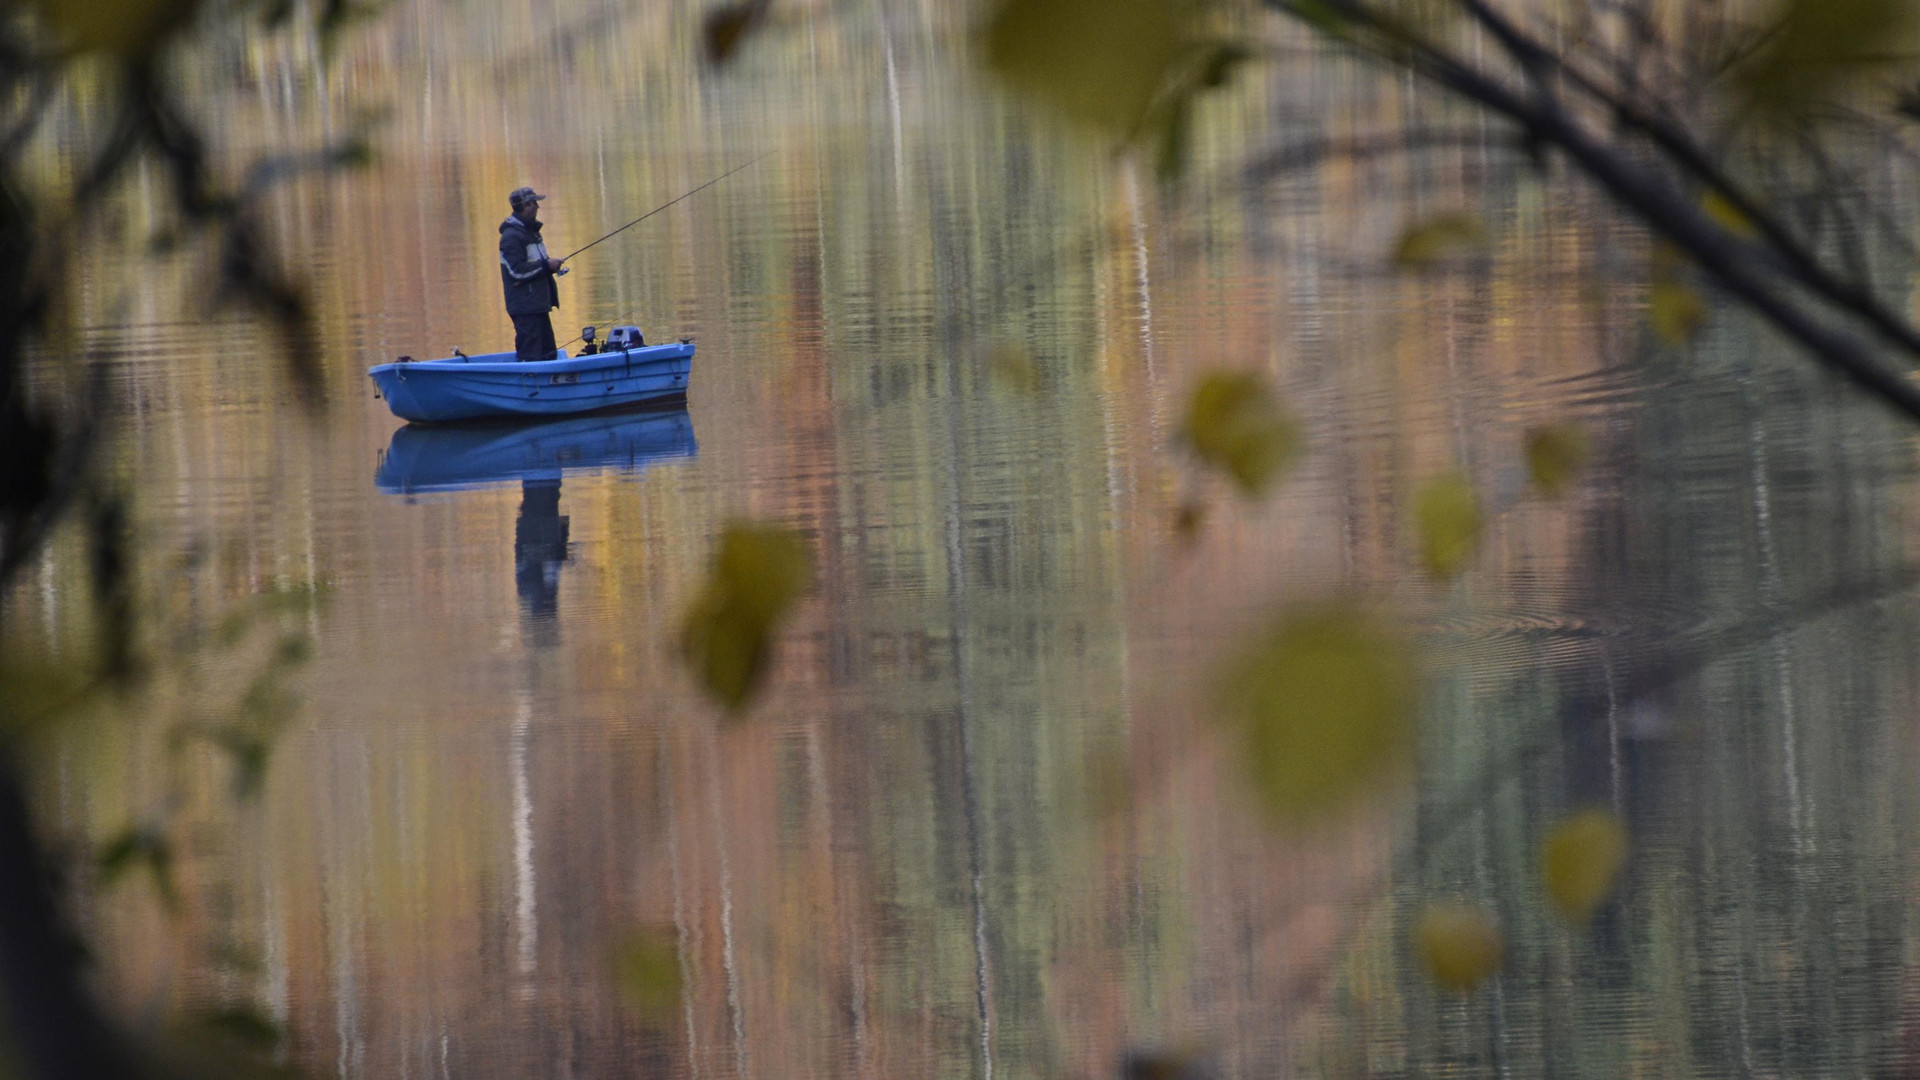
[[1676, 312], [1580, 860], [126, 27], [648, 969], [1728, 216], [1013, 367], [1459, 944], [247, 1027], [1235, 423], [1100, 62], [1167, 1065], [726, 26], [1427, 242], [37, 688], [758, 574], [1447, 514], [1555, 455], [140, 846], [1816, 48], [1323, 703], [1188, 521]]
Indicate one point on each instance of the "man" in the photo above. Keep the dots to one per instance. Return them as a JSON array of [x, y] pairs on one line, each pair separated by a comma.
[[528, 274]]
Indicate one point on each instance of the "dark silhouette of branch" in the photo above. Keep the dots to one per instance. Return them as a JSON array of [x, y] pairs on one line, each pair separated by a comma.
[[1738, 265]]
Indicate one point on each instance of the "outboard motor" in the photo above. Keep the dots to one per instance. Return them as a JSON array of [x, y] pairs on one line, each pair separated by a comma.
[[625, 337]]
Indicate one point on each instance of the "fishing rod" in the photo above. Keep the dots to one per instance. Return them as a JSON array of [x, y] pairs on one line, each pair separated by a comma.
[[663, 206], [656, 210]]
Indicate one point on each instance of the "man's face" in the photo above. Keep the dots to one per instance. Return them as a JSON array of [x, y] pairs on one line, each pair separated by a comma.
[[529, 212]]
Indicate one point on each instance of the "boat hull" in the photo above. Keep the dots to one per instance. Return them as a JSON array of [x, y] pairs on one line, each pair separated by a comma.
[[494, 384]]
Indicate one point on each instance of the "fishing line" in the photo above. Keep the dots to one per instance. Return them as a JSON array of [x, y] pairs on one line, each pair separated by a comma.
[[656, 210], [663, 206]]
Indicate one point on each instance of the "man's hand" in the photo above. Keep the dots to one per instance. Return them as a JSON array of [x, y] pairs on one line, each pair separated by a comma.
[[553, 264]]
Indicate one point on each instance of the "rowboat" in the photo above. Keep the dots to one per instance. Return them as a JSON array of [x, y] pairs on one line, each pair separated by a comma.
[[464, 387], [456, 457]]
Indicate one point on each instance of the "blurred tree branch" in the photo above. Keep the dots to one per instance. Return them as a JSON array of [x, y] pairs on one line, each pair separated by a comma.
[[1765, 271], [49, 442]]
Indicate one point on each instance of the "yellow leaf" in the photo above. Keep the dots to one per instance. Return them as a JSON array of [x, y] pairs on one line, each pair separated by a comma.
[[1100, 62], [1447, 514], [1555, 454], [1580, 860], [1429, 241], [128, 27], [1012, 367], [1323, 704], [1459, 944], [1676, 312], [727, 638], [1726, 215], [1235, 424], [648, 969]]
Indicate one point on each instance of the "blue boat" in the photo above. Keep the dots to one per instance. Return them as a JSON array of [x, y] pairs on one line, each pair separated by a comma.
[[496, 385], [459, 457]]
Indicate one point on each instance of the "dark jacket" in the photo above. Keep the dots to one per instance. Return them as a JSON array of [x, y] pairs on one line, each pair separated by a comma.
[[531, 288]]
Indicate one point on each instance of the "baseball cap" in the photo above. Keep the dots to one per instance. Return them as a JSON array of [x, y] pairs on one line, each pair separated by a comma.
[[522, 196]]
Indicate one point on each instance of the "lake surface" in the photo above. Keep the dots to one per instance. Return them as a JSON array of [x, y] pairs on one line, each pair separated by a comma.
[[977, 823]]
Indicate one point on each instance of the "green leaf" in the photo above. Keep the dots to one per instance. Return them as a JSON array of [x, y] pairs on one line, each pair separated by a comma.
[[1427, 242], [758, 574], [1171, 163], [244, 1026], [1221, 64], [1580, 860], [125, 27], [1447, 514], [1459, 945], [725, 27], [293, 651], [248, 752], [647, 967], [1320, 15], [140, 847], [1819, 49], [1323, 705], [1188, 521], [1099, 62], [1555, 455], [1235, 424]]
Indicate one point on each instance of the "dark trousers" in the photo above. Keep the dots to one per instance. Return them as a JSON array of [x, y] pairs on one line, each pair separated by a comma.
[[532, 337]]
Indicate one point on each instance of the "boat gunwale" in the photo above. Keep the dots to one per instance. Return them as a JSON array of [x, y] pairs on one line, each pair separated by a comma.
[[590, 362]]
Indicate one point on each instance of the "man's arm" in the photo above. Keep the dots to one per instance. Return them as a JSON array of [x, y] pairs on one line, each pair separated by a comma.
[[513, 255]]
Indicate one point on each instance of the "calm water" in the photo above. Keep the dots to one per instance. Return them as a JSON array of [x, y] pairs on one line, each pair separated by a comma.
[[913, 857]]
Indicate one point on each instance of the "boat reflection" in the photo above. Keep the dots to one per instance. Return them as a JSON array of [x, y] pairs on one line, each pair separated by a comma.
[[459, 458]]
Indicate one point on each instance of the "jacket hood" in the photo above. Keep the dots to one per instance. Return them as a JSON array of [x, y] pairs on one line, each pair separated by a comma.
[[515, 223]]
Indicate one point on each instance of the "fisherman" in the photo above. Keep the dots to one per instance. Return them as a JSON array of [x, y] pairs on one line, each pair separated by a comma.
[[528, 273]]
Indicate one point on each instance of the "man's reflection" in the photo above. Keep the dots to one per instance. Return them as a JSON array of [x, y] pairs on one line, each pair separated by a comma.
[[539, 549]]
